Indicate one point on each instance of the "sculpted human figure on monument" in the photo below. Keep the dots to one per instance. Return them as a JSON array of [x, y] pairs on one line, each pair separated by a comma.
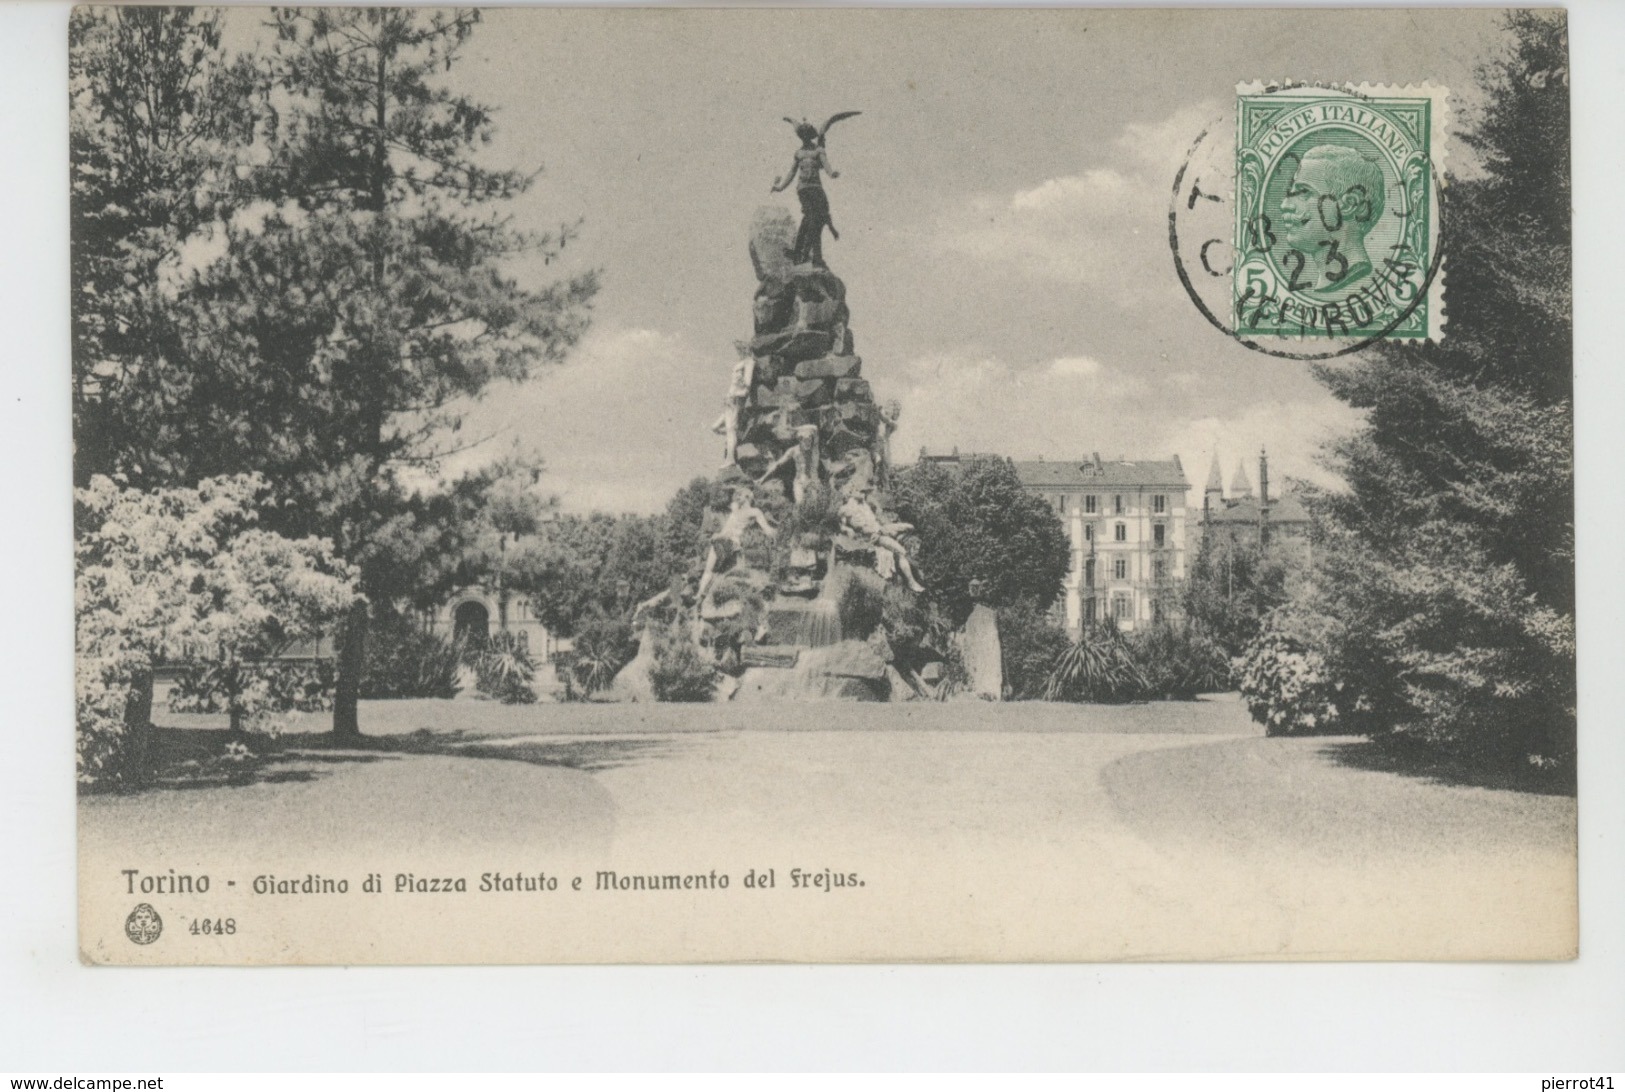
[[860, 520], [724, 548], [806, 170], [739, 384], [890, 413], [805, 457]]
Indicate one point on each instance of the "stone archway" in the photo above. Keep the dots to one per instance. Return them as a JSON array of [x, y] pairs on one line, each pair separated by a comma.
[[471, 622]]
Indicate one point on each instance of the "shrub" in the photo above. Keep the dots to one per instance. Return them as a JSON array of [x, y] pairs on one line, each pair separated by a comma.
[[955, 675], [681, 672], [1180, 661], [403, 661], [1287, 686], [504, 669], [1098, 666], [602, 647], [905, 619], [1031, 643], [252, 693], [183, 575]]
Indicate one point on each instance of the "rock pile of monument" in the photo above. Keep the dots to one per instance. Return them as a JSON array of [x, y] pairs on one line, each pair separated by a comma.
[[805, 534]]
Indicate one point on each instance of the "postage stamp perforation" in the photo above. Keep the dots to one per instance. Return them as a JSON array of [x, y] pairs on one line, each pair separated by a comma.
[[1338, 195]]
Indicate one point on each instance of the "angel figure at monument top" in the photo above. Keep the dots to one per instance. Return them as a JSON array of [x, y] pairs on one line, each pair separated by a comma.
[[806, 170]]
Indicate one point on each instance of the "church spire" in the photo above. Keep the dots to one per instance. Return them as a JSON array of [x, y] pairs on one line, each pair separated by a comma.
[[1239, 485], [1215, 478]]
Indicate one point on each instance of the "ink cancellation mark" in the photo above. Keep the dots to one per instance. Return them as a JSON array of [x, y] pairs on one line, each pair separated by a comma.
[[1321, 223]]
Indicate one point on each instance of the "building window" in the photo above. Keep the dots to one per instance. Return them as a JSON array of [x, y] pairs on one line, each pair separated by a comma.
[[1089, 504], [1120, 568], [1156, 610], [1120, 532], [1089, 611], [1120, 607], [1159, 504], [1088, 532], [1159, 568], [1089, 573], [1159, 535], [1117, 504]]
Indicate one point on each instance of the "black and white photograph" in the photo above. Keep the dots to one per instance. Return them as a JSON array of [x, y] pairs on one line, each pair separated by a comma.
[[702, 486]]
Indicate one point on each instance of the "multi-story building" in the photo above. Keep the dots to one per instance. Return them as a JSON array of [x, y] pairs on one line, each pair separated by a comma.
[[1126, 521]]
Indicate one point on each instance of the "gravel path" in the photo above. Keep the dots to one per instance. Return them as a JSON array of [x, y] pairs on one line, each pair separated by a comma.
[[1023, 831]]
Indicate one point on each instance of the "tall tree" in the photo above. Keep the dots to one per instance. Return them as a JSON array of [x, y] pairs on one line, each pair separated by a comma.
[[982, 536], [1233, 586], [376, 291], [582, 568], [1450, 561], [159, 123]]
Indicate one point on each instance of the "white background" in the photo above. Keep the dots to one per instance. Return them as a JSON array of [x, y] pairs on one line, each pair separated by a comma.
[[59, 1017]]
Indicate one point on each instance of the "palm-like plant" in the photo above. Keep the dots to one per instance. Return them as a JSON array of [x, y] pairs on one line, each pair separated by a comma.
[[602, 648], [1180, 661], [1098, 666], [505, 669]]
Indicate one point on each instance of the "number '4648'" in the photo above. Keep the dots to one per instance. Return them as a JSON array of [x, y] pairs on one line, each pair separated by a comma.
[[207, 927]]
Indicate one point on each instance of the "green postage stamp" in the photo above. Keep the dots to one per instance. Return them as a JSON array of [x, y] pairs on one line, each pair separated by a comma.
[[1337, 212]]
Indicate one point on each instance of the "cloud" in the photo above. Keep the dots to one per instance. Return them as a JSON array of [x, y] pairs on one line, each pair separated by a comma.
[[1065, 229], [620, 426], [1087, 191], [1294, 433], [1099, 227], [1071, 406], [1075, 365], [1160, 146], [984, 403]]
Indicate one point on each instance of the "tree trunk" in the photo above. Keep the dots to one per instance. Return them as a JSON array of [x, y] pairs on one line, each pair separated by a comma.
[[347, 688], [352, 649], [138, 730]]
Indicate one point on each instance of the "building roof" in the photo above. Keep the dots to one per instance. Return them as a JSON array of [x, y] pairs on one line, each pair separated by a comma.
[[1094, 473], [1286, 509], [1239, 485], [1215, 478]]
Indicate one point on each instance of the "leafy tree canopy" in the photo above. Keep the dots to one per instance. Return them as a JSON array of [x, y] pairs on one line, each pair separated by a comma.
[[1447, 575], [358, 284], [982, 537], [185, 574]]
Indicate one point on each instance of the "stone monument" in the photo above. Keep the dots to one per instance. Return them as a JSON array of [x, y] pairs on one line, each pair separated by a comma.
[[787, 593]]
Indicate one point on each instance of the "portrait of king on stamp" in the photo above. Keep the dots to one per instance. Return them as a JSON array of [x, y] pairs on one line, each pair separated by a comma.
[[1336, 231]]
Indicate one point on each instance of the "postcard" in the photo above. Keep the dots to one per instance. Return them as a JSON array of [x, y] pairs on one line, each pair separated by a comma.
[[677, 485]]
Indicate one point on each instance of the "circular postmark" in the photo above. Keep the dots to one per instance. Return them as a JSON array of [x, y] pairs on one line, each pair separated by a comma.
[[1316, 230], [143, 926]]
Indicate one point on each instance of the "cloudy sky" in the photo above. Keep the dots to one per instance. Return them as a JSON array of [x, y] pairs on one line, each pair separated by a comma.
[[1002, 206]]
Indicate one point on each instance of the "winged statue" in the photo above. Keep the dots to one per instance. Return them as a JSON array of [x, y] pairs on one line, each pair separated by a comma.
[[807, 169]]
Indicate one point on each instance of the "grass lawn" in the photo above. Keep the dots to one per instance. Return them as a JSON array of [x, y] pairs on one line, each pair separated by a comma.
[[1029, 830]]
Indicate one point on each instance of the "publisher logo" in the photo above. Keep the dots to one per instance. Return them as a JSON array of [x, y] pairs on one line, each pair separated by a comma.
[[143, 926]]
